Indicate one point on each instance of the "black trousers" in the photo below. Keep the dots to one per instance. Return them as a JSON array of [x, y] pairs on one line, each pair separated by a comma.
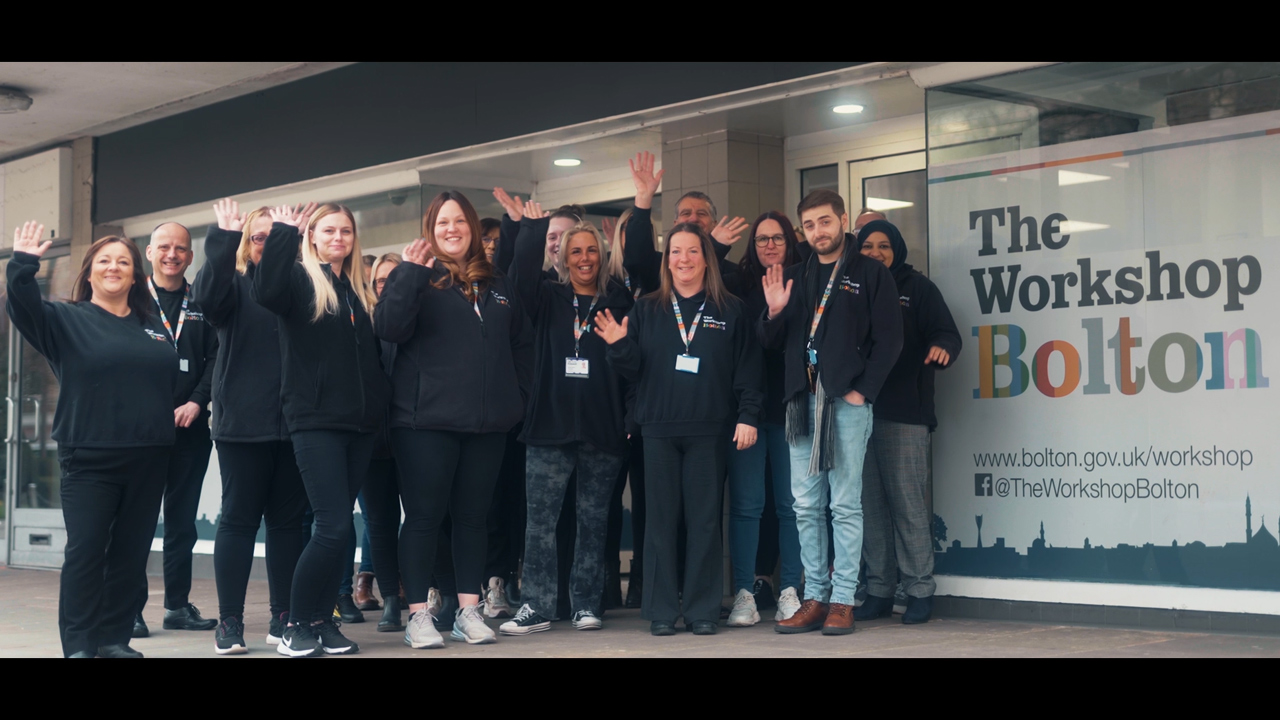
[[333, 464], [507, 513], [259, 481], [684, 478], [632, 471], [183, 482], [110, 501], [382, 519], [453, 472]]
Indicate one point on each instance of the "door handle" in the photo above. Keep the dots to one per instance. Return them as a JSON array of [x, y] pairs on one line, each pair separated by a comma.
[[14, 431]]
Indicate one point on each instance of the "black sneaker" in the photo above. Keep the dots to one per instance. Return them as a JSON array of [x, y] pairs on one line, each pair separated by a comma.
[[764, 595], [229, 639], [275, 628], [526, 621], [187, 617], [347, 611], [332, 639], [299, 641]]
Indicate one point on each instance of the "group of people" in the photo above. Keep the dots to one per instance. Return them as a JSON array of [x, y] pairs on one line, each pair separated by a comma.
[[810, 361]]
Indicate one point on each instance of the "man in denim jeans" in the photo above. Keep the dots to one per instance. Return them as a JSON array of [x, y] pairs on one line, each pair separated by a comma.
[[837, 318]]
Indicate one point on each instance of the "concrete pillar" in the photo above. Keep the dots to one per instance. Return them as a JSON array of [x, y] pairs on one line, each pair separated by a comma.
[[81, 198]]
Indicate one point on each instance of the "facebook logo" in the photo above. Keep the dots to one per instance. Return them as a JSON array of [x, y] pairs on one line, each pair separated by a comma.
[[982, 484]]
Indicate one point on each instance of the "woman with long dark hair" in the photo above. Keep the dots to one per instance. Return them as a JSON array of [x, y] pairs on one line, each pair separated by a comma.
[[690, 348], [574, 422], [113, 425], [771, 241], [260, 478], [457, 378], [334, 393]]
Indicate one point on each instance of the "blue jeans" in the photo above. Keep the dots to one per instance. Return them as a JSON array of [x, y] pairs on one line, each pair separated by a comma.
[[841, 487], [746, 506]]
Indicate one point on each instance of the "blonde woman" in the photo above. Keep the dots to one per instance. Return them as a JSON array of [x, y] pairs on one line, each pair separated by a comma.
[[334, 395], [260, 478]]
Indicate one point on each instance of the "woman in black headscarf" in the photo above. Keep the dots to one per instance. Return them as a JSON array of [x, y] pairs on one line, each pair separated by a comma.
[[898, 538]]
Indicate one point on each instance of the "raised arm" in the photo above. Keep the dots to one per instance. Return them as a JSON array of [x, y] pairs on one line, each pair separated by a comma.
[[395, 317], [526, 271], [214, 289], [34, 318], [771, 326], [508, 229], [273, 282], [639, 256]]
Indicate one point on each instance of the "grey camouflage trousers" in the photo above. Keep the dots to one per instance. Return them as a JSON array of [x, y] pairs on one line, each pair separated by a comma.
[[547, 472]]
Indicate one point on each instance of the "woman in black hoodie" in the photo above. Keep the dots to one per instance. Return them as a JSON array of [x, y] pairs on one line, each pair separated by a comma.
[[335, 398], [462, 356], [260, 478], [898, 537], [574, 422], [689, 347], [113, 425]]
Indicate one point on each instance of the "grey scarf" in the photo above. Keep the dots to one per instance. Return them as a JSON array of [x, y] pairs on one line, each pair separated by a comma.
[[822, 454]]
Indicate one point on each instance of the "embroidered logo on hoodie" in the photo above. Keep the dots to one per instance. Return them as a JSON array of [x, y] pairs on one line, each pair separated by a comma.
[[157, 336], [853, 287]]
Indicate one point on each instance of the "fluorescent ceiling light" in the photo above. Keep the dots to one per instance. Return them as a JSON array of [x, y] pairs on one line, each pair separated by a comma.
[[567, 162], [882, 204], [847, 109], [1071, 227], [1068, 177]]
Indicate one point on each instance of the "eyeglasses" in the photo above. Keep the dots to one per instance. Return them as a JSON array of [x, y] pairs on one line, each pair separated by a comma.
[[379, 284], [763, 240], [257, 239]]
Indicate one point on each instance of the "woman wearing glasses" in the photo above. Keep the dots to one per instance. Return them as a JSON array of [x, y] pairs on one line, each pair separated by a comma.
[[260, 476], [772, 241]]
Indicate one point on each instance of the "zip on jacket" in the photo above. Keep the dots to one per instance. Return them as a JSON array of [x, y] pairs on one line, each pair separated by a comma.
[[247, 372], [331, 378]]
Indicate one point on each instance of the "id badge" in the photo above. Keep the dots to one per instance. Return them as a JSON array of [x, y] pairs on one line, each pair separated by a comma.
[[687, 363], [577, 368], [183, 365], [813, 357]]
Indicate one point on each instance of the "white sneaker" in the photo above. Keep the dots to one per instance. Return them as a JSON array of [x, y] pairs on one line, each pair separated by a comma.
[[468, 625], [435, 602], [496, 604], [586, 620], [744, 613], [421, 632], [788, 604]]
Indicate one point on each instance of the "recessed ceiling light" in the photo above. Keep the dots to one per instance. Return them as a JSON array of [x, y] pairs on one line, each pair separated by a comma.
[[13, 101], [846, 109], [567, 162]]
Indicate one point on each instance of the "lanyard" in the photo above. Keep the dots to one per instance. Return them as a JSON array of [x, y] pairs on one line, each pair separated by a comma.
[[693, 328], [635, 293], [351, 307], [182, 315], [475, 300], [822, 306], [580, 328]]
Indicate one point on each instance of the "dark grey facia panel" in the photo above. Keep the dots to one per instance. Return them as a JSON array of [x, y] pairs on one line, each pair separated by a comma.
[[371, 113]]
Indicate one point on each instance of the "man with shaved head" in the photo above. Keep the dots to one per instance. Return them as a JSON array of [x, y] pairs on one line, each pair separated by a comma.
[[169, 253]]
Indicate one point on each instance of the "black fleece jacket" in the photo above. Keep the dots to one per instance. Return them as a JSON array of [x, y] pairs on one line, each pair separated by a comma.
[[860, 335], [247, 374], [332, 379], [728, 387], [643, 262], [454, 370], [563, 409], [907, 395], [198, 345], [117, 374]]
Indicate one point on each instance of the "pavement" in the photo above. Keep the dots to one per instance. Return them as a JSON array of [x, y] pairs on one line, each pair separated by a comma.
[[29, 628]]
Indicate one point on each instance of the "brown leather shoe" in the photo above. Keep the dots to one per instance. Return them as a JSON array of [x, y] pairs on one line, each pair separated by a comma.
[[839, 620], [808, 618], [363, 594]]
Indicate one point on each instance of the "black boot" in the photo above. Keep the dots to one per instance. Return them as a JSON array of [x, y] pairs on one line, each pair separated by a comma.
[[347, 611], [635, 585], [612, 597], [140, 629], [391, 621]]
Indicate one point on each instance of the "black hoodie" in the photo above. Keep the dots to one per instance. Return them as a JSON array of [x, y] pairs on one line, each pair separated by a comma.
[[332, 379], [563, 409], [860, 335], [246, 375], [117, 374], [454, 370], [728, 387], [907, 395]]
